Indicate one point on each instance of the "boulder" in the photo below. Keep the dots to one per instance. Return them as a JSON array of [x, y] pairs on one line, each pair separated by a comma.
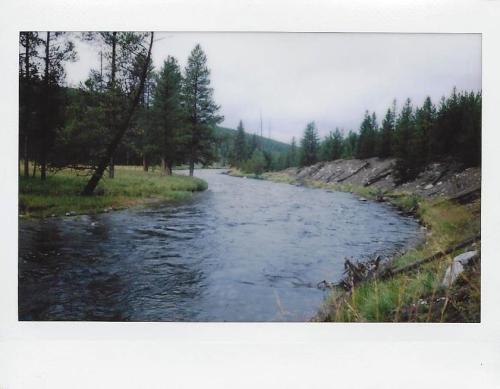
[[457, 267]]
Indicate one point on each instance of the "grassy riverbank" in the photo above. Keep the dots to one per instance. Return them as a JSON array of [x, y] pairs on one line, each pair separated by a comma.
[[60, 193], [417, 295]]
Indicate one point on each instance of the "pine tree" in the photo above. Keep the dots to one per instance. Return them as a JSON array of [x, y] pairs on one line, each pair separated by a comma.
[[350, 144], [425, 118], [331, 147], [367, 137], [386, 139], [292, 154], [58, 50], [167, 114], [309, 145], [200, 109], [239, 146], [405, 164], [29, 82]]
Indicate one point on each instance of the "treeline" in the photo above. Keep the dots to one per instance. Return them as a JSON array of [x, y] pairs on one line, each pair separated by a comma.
[[415, 136], [126, 109], [254, 154]]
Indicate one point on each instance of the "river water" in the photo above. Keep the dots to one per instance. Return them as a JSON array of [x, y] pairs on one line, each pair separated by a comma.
[[244, 250]]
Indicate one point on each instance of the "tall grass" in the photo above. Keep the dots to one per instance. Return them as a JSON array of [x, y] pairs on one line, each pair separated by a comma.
[[60, 193]]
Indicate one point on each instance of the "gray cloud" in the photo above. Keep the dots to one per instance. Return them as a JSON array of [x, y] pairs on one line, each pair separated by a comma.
[[331, 78]]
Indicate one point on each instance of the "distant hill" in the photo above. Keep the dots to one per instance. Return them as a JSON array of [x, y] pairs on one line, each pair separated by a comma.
[[267, 144]]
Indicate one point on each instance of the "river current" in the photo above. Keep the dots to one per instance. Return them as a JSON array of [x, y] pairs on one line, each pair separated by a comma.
[[244, 250]]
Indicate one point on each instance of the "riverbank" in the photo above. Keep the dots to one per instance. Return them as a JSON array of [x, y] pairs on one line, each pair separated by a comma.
[[446, 201], [60, 195]]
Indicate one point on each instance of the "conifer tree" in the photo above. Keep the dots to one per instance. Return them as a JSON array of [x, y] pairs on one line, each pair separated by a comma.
[[292, 154], [350, 145], [200, 108], [58, 49], [167, 114], [29, 82], [367, 137], [309, 145], [239, 146], [331, 147], [405, 164], [424, 124], [386, 138]]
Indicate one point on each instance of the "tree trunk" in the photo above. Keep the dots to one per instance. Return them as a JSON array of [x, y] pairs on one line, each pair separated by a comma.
[[34, 169], [166, 166], [111, 169], [145, 164], [27, 112], [26, 157], [191, 168], [45, 124], [96, 177]]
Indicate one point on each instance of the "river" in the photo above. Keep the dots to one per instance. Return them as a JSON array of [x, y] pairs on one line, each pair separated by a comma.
[[244, 250]]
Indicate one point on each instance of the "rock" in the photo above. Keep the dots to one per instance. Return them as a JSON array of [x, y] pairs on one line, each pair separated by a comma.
[[457, 267], [72, 213], [429, 186], [53, 215], [440, 183], [67, 214], [465, 258], [362, 199]]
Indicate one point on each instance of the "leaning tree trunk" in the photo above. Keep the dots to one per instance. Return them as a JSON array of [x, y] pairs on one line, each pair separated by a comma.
[[111, 168], [101, 167]]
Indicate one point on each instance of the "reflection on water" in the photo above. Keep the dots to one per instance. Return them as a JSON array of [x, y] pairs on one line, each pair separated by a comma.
[[245, 250]]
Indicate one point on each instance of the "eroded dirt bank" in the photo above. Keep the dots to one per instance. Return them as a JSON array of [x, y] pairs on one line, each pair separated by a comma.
[[446, 179]]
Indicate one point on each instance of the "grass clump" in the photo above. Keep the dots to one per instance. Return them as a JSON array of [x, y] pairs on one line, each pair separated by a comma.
[[60, 192]]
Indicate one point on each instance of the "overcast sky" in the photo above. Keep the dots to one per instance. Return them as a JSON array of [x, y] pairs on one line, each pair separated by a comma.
[[296, 78]]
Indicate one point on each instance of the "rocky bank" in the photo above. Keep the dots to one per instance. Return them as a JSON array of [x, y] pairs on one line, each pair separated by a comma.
[[447, 179]]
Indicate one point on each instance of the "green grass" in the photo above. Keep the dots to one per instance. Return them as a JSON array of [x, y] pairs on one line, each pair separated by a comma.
[[411, 296], [60, 193], [392, 299], [235, 172]]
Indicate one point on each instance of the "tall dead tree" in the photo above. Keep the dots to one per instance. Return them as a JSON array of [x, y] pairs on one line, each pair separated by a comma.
[[112, 116], [120, 129], [28, 68], [58, 49]]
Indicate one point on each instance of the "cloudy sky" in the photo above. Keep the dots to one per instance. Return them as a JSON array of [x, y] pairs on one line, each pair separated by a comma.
[[331, 78]]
